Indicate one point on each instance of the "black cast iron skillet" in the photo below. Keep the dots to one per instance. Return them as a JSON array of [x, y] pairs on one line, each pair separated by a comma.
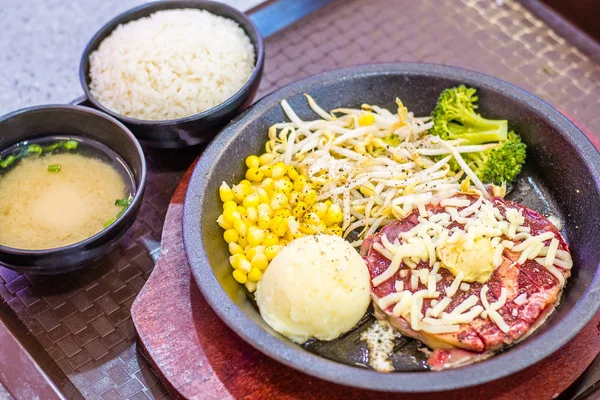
[[562, 177]]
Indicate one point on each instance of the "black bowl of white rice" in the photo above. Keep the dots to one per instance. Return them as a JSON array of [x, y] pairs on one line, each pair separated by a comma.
[[174, 72]]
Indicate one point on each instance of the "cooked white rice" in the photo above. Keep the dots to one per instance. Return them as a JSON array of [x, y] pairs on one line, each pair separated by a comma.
[[172, 64]]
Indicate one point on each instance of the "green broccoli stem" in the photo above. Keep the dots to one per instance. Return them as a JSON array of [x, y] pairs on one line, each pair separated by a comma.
[[455, 117], [485, 131]]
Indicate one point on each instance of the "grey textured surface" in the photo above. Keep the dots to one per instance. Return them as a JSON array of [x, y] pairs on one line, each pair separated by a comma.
[[4, 395], [42, 41]]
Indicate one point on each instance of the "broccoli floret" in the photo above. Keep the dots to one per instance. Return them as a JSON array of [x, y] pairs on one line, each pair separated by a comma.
[[454, 117], [500, 164]]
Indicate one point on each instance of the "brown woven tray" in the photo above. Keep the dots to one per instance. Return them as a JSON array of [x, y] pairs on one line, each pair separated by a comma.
[[83, 321]]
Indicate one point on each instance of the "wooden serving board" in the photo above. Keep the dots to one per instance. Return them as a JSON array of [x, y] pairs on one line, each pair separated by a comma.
[[198, 357]]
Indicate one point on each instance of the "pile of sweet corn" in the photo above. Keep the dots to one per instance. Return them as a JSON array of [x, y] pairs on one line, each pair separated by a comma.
[[268, 209]]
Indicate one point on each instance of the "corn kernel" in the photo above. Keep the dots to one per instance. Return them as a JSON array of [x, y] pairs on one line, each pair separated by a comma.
[[334, 215], [279, 170], [263, 220], [235, 248], [271, 240], [225, 192], [229, 204], [245, 182], [299, 183], [309, 196], [312, 218], [367, 191], [231, 215], [260, 261], [231, 235], [251, 286], [284, 213], [265, 209], [239, 193], [240, 276], [359, 208], [252, 214], [254, 250], [240, 227], [320, 209], [254, 175], [299, 209], [278, 201], [271, 251], [284, 242], [254, 274], [366, 119], [263, 196], [223, 223], [252, 200], [234, 260], [267, 184], [294, 198], [334, 230], [283, 186], [306, 229], [278, 226], [242, 210], [266, 158], [249, 189], [244, 265], [293, 226], [243, 242], [255, 236], [292, 173], [246, 221], [252, 162], [267, 170], [289, 237]]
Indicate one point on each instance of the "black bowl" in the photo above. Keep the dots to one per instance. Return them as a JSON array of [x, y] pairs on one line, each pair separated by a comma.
[[38, 122], [562, 163], [198, 128]]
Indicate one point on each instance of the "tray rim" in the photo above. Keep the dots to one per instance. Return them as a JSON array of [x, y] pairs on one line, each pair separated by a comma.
[[539, 7]]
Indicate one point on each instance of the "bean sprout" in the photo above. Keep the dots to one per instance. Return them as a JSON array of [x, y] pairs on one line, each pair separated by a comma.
[[376, 165]]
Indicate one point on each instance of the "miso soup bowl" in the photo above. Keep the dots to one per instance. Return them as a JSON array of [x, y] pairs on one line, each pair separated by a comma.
[[38, 122]]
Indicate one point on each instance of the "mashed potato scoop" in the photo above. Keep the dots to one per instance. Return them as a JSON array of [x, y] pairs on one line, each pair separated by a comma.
[[316, 287]]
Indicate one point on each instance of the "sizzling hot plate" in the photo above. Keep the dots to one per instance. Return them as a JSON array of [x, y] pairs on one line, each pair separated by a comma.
[[562, 177]]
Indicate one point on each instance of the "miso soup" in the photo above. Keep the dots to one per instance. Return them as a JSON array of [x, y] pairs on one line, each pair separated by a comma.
[[58, 191]]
